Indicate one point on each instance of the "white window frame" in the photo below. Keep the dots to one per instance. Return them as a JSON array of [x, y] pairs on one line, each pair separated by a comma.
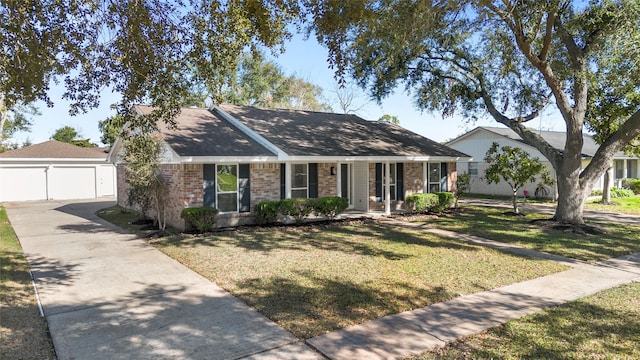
[[472, 168], [434, 181], [219, 192], [293, 174], [393, 186]]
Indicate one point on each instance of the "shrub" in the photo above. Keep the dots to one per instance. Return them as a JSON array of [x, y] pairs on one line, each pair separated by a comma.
[[298, 209], [266, 212], [620, 193], [596, 192], [330, 206], [421, 203], [445, 200], [202, 218], [631, 184]]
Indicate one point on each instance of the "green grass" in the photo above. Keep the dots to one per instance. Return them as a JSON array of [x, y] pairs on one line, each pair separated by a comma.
[[602, 326], [23, 333], [313, 280], [628, 205], [492, 223]]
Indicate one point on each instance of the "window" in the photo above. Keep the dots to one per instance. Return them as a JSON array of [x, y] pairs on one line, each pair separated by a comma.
[[227, 188], [299, 181], [434, 177], [392, 181], [619, 169], [472, 168]]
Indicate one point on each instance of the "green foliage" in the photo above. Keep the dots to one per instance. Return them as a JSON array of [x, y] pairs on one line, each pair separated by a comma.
[[65, 134], [330, 206], [515, 167], [110, 129], [392, 119], [463, 186], [298, 209], [15, 119], [141, 155], [258, 82], [445, 200], [202, 218], [631, 184], [266, 212], [422, 203], [621, 193]]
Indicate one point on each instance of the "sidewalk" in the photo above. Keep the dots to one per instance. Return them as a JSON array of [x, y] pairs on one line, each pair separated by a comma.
[[413, 332]]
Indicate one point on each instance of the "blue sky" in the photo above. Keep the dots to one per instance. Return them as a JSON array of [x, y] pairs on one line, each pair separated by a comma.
[[305, 59]]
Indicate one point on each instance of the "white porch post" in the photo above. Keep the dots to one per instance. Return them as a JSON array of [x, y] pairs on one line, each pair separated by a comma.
[[287, 180], [425, 179], [387, 189], [624, 168]]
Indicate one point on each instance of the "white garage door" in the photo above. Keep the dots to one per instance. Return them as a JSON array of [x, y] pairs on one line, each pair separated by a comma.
[[72, 183], [23, 183]]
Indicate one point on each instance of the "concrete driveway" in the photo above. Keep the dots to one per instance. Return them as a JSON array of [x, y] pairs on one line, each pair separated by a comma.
[[108, 295]]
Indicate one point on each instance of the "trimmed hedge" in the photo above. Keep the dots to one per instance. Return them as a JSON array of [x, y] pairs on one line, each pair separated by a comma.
[[631, 184], [268, 212], [421, 203], [430, 202], [202, 218]]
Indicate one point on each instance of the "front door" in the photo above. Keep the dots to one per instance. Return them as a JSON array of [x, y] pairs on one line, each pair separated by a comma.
[[346, 183]]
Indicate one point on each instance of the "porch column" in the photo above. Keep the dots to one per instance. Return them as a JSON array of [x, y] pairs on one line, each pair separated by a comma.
[[287, 180], [387, 188], [624, 168], [425, 178]]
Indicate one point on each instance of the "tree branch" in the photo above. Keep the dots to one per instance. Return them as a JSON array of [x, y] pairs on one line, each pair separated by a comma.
[[547, 37]]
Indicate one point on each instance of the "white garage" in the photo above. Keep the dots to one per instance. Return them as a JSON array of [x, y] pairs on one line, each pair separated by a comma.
[[55, 171]]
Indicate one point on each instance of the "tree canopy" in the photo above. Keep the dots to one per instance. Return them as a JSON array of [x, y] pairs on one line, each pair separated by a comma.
[[259, 82], [70, 135], [508, 60], [149, 51]]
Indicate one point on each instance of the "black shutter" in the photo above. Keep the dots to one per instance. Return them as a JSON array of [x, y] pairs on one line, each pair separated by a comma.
[[344, 180], [400, 181], [378, 181], [244, 188], [443, 177], [283, 186], [209, 185], [313, 180]]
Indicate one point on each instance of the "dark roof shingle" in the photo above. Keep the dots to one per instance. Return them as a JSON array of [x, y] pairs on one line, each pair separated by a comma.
[[55, 150]]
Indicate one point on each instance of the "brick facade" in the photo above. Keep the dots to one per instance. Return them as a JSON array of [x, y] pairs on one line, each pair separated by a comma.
[[265, 182], [327, 183]]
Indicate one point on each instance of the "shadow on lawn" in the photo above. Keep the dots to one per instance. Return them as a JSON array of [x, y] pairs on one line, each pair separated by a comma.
[[308, 305], [370, 239]]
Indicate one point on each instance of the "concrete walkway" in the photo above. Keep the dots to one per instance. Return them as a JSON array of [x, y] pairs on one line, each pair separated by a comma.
[[108, 295]]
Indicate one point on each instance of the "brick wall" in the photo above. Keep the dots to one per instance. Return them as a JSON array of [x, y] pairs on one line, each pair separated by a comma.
[[413, 176], [327, 183], [452, 176], [265, 182]]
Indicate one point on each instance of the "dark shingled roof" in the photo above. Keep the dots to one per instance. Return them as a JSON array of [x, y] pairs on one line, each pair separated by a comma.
[[307, 133], [200, 132], [56, 150]]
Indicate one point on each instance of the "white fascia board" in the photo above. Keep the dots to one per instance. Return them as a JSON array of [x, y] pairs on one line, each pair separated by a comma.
[[325, 159], [464, 136], [228, 159], [54, 160], [252, 134]]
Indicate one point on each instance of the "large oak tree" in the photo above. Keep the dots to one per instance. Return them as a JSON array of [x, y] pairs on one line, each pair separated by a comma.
[[508, 59], [148, 51]]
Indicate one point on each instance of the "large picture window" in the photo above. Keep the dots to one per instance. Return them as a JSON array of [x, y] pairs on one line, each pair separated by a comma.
[[434, 177], [227, 188], [299, 181]]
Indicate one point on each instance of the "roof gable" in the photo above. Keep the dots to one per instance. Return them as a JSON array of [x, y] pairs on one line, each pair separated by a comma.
[[56, 150]]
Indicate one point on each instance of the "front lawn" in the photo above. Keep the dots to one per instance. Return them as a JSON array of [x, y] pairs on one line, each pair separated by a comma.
[[493, 223], [602, 326], [315, 279], [23, 333], [628, 205]]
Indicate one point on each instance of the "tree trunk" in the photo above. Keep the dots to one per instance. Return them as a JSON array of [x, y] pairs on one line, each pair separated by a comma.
[[515, 202], [570, 201]]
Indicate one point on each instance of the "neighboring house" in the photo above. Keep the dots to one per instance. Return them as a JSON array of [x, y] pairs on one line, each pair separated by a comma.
[[54, 170], [478, 141], [232, 157]]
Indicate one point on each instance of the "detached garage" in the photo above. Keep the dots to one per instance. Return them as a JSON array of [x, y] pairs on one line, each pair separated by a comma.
[[55, 170]]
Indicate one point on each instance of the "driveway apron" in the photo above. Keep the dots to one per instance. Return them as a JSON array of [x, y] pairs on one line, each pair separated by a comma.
[[108, 295]]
